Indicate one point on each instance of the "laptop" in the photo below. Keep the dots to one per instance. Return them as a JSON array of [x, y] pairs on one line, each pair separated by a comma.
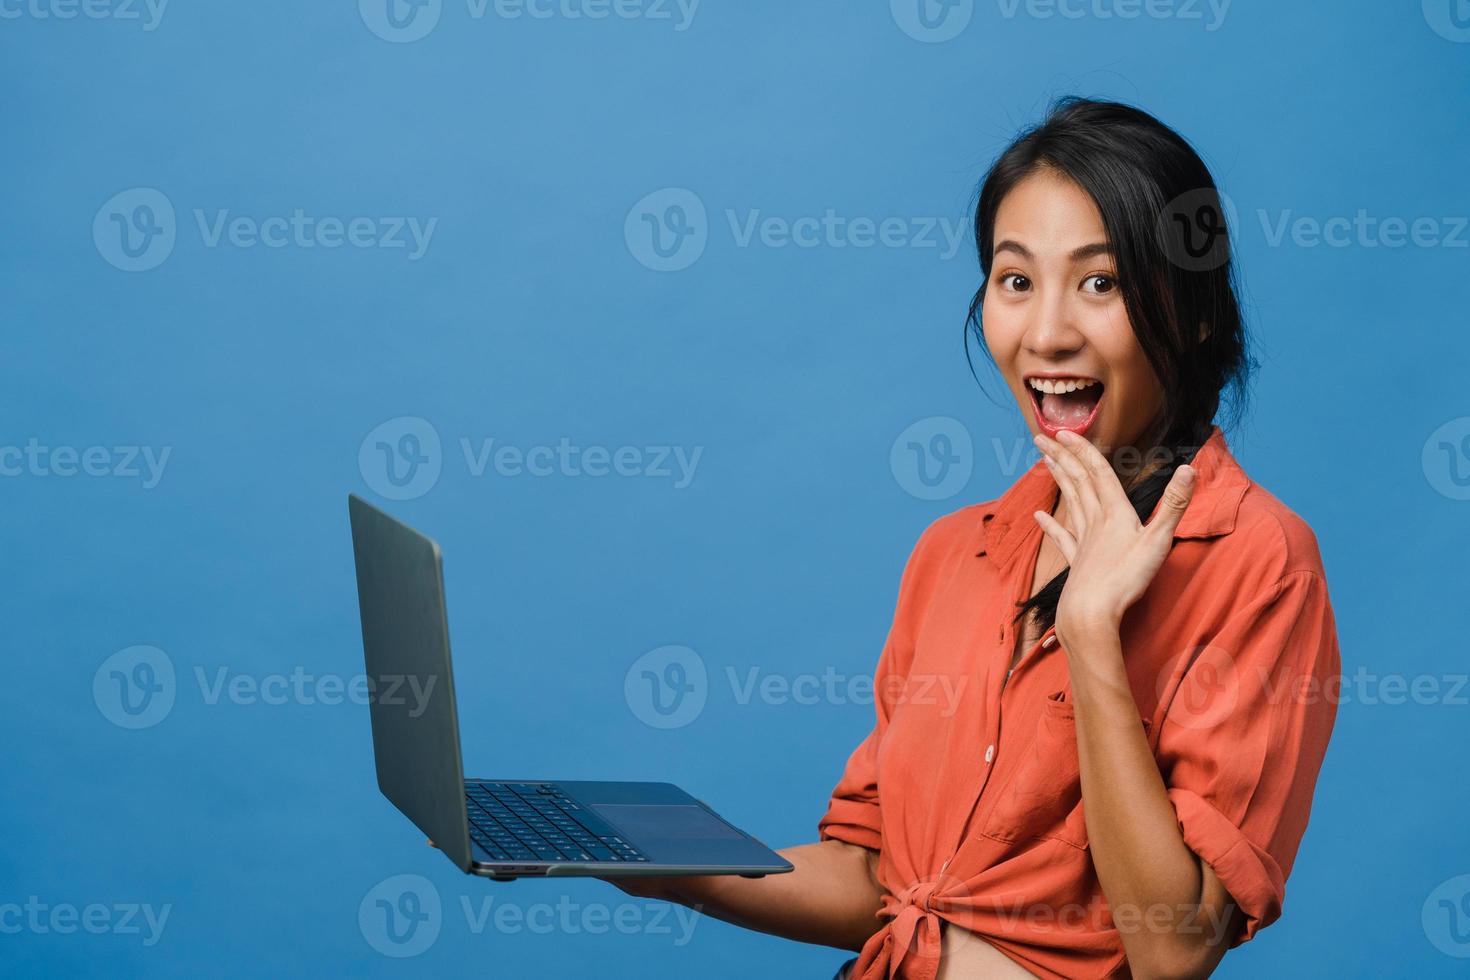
[[504, 828]]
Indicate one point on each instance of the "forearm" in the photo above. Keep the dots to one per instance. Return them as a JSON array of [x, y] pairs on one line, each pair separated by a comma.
[[830, 899], [1171, 923]]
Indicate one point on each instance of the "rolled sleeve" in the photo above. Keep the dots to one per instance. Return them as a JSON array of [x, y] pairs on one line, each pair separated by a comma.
[[1244, 737], [854, 814]]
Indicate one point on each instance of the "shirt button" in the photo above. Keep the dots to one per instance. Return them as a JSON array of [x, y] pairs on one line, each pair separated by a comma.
[[1049, 642], [989, 753]]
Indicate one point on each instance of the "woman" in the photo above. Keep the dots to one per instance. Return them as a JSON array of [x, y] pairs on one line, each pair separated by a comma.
[[1140, 636]]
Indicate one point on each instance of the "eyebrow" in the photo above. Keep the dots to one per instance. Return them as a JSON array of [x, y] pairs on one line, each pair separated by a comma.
[[1077, 254]]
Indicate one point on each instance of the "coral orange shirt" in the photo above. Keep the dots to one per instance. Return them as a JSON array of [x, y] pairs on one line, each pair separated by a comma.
[[968, 785]]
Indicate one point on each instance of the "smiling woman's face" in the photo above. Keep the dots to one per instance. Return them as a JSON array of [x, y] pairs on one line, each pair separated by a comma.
[[1053, 310]]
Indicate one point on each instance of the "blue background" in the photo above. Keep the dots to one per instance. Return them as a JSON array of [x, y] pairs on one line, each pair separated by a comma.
[[530, 318]]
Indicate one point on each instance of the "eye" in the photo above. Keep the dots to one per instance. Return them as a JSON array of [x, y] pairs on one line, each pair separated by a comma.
[[1015, 281], [1099, 284]]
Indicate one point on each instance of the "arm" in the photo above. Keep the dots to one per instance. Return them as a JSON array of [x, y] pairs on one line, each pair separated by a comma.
[[1175, 917], [831, 899], [1200, 864]]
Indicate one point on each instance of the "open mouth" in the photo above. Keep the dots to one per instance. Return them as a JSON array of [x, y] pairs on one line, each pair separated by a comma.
[[1065, 403]]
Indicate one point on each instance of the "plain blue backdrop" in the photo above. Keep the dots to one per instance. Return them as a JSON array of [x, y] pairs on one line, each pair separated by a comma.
[[783, 358]]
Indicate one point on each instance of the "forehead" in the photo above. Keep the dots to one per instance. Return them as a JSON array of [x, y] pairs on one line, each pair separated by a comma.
[[1047, 212]]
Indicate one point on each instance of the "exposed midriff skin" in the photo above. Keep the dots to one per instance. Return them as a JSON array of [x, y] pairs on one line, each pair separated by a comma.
[[966, 956]]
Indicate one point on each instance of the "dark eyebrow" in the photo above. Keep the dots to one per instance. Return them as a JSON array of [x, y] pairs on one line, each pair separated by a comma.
[[1078, 254], [1007, 244], [1088, 251]]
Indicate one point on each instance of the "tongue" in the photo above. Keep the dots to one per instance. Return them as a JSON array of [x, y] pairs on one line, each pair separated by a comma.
[[1071, 408]]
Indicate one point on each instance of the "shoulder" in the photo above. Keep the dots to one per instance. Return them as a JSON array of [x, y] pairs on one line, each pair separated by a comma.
[[1269, 543], [959, 531], [942, 549]]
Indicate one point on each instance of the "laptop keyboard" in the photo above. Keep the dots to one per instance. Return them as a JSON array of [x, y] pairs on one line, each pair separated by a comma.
[[538, 822]]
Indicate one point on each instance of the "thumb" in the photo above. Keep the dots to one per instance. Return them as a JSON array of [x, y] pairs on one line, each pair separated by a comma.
[[1177, 496]]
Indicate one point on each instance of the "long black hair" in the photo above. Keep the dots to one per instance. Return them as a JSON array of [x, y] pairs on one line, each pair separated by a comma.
[[1169, 236]]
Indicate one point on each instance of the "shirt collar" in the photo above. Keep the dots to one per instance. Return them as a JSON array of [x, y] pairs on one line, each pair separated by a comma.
[[1219, 487]]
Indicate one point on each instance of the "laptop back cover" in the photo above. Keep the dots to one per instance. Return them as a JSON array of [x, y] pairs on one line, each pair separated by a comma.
[[405, 639]]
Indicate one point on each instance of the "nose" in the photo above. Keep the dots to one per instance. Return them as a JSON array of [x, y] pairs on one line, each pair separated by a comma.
[[1051, 334]]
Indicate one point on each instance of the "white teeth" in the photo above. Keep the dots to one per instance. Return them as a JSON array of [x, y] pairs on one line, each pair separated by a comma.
[[1060, 387]]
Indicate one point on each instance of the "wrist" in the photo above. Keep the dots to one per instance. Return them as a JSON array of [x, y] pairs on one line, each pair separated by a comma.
[[1088, 628]]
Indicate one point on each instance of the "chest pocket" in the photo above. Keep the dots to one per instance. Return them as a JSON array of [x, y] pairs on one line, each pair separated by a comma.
[[1043, 797]]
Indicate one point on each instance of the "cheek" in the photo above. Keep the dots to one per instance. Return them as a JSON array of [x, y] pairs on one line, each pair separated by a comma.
[[1002, 333], [1142, 394]]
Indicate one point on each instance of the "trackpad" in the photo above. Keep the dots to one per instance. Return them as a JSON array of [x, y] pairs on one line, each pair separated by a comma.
[[670, 821]]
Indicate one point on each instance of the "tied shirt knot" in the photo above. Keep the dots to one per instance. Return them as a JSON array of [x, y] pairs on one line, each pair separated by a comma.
[[912, 940]]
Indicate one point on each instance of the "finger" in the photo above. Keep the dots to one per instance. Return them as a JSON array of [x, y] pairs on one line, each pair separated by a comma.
[[1059, 535], [1070, 477], [1177, 495], [1071, 457], [1105, 482], [432, 844], [1068, 492]]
